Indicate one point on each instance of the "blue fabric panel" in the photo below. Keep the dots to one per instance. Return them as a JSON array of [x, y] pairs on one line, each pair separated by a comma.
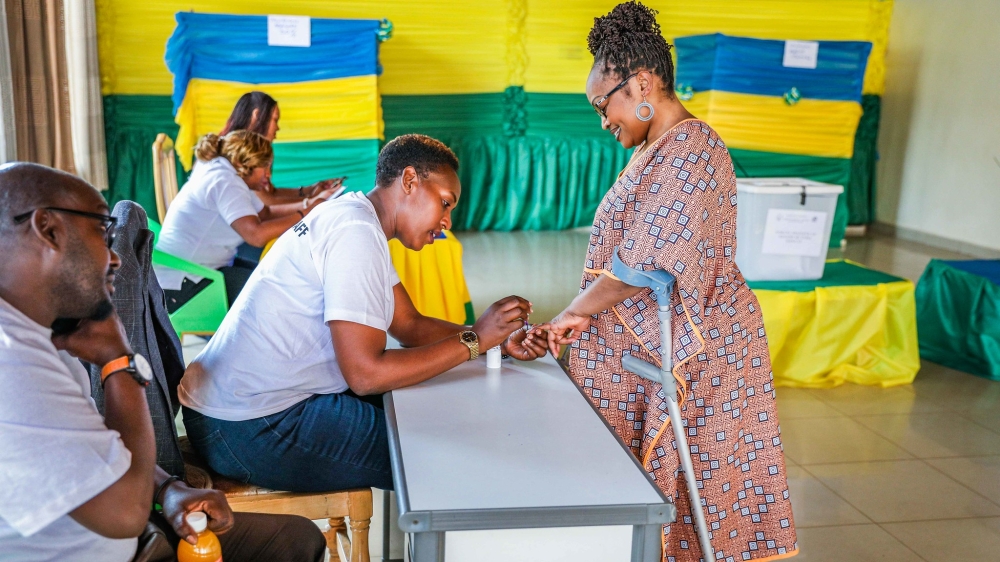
[[755, 66], [989, 269], [234, 48]]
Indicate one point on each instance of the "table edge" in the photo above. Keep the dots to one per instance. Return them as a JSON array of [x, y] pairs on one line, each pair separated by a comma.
[[536, 517]]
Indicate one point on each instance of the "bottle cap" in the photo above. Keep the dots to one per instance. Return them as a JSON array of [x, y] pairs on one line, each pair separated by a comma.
[[198, 521], [493, 358]]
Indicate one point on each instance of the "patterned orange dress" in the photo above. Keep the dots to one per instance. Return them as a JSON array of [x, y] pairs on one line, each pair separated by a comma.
[[674, 208]]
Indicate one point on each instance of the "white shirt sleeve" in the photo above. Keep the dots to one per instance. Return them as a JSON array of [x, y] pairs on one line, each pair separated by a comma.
[[55, 451], [232, 198], [351, 262]]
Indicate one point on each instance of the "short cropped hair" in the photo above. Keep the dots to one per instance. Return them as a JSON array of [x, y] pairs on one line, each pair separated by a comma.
[[422, 152]]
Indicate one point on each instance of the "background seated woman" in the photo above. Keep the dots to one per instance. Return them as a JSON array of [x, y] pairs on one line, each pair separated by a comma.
[[216, 211], [258, 112]]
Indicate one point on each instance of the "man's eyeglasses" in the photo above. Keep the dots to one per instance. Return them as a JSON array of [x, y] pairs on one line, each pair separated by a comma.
[[108, 221], [597, 105]]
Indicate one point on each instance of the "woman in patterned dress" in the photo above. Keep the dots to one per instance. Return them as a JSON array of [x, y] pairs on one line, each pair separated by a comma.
[[674, 208]]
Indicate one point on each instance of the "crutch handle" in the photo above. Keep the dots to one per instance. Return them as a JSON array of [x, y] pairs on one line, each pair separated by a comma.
[[661, 282]]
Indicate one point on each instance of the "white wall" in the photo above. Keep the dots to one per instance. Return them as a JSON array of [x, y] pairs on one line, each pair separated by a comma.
[[939, 172]]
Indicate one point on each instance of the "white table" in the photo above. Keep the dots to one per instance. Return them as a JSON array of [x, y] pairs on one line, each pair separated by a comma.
[[518, 447]]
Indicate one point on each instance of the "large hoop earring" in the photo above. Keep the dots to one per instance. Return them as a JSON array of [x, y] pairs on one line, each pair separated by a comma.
[[638, 111]]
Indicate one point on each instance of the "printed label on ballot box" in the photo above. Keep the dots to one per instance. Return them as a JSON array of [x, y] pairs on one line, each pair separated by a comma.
[[794, 233]]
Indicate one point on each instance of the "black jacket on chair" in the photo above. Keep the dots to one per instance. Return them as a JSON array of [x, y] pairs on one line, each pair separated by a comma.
[[140, 303]]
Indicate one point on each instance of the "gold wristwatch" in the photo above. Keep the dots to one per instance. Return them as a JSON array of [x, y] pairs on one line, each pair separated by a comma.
[[471, 340]]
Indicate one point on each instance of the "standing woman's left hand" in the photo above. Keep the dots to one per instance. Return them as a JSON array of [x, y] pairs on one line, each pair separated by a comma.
[[520, 347], [564, 329]]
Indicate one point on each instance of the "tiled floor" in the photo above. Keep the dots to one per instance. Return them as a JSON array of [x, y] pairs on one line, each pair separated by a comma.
[[901, 474]]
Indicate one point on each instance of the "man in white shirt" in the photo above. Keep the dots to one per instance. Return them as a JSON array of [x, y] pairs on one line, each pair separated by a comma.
[[287, 393], [74, 485]]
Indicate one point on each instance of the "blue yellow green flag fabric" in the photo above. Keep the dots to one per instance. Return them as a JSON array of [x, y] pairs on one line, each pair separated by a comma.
[[327, 92]]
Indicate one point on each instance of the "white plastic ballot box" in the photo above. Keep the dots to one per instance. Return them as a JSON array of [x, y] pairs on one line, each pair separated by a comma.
[[783, 227]]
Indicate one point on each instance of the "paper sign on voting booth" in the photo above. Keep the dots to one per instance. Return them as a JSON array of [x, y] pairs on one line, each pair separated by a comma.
[[783, 227]]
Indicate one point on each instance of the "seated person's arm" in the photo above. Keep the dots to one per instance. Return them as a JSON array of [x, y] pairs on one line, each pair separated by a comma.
[[122, 509], [370, 368], [412, 329], [282, 195]]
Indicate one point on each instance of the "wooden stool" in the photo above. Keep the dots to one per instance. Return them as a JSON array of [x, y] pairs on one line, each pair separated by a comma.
[[354, 505]]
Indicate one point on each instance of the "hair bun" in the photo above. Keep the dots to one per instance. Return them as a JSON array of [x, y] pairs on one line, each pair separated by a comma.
[[627, 40], [626, 19]]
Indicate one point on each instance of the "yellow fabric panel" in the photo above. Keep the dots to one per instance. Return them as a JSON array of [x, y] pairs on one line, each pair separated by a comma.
[[433, 277], [442, 47], [438, 46], [337, 109], [766, 123], [557, 31], [832, 335]]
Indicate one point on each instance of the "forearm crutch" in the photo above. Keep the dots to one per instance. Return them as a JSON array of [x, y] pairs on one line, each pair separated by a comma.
[[662, 284]]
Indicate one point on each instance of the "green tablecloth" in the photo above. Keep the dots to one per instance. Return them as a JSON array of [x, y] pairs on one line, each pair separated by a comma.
[[958, 315]]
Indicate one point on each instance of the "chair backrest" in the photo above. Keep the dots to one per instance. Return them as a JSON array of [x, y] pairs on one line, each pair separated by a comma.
[[164, 173]]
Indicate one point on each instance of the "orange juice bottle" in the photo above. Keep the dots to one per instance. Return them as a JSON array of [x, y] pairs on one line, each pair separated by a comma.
[[208, 548]]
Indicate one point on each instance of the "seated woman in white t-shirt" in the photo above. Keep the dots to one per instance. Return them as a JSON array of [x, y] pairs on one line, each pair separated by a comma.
[[286, 394], [216, 211]]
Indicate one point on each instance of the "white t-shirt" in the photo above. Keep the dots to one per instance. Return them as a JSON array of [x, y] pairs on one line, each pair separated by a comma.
[[198, 227], [55, 451], [274, 347]]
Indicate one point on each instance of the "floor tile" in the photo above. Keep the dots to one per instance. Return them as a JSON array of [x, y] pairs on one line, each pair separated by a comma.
[[857, 400], [982, 474], [962, 540], [852, 543], [802, 403], [825, 440], [543, 267], [989, 420], [935, 435], [894, 491], [815, 505]]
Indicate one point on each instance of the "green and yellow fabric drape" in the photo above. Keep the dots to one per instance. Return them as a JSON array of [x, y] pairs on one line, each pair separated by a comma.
[[853, 325], [503, 78]]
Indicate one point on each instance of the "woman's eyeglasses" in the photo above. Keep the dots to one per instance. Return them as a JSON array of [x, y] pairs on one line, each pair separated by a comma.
[[108, 221], [597, 105]]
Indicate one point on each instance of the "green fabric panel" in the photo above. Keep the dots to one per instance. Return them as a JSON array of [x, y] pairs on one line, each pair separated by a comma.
[[532, 183], [757, 164], [836, 274], [443, 115], [304, 163], [958, 320], [861, 188], [485, 114], [131, 124], [564, 115]]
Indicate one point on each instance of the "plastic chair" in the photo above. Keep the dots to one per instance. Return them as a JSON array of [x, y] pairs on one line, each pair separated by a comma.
[[164, 174], [203, 314]]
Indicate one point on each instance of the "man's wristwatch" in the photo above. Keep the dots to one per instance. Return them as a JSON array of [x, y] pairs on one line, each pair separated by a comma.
[[135, 365], [471, 340]]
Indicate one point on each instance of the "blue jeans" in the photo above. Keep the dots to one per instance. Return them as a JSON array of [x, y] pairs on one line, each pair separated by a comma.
[[325, 443]]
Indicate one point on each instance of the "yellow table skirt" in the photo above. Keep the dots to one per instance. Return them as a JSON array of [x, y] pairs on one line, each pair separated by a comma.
[[824, 337], [434, 279]]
